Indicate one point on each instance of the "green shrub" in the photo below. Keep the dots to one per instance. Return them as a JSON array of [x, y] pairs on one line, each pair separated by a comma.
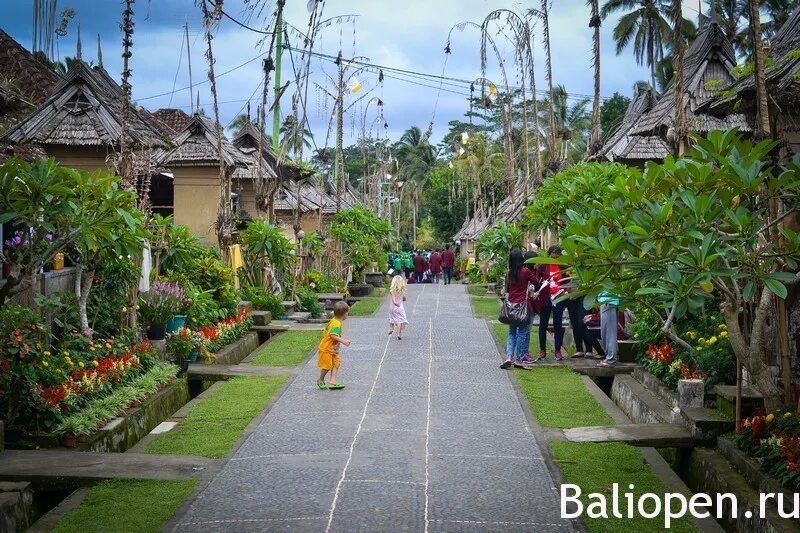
[[308, 301], [263, 300]]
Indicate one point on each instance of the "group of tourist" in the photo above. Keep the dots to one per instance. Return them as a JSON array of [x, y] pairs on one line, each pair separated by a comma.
[[423, 266], [545, 291]]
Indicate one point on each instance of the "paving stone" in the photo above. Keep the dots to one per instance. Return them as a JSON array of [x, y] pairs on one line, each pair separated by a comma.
[[428, 404]]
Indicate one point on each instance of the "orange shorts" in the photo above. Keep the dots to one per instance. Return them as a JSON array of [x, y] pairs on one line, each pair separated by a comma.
[[328, 360]]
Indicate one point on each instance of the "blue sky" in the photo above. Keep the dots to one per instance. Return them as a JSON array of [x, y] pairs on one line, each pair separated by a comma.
[[407, 34]]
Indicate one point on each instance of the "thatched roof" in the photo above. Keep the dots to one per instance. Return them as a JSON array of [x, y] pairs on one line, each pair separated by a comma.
[[247, 139], [173, 120], [710, 58], [85, 109], [472, 228], [617, 143], [30, 79], [196, 146], [783, 80]]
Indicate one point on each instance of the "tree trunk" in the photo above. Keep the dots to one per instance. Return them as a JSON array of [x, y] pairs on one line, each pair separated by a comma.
[[680, 108], [762, 106], [83, 283], [125, 157], [595, 143], [551, 138]]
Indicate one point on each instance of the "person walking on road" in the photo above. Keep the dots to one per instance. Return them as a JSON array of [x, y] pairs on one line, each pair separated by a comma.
[[408, 264], [420, 266], [448, 260], [436, 265], [518, 279], [328, 359], [397, 311]]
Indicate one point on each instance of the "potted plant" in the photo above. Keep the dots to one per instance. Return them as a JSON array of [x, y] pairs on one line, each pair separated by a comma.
[[184, 346], [363, 237], [158, 305], [73, 427], [182, 301]]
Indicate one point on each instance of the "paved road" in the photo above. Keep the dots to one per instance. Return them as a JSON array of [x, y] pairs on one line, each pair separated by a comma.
[[428, 435]]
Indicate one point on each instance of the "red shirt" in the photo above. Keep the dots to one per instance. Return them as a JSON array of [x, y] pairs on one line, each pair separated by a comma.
[[436, 262], [518, 290], [419, 264], [554, 272], [448, 258]]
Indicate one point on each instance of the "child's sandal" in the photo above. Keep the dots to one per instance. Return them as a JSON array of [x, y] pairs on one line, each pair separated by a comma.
[[335, 386], [322, 385]]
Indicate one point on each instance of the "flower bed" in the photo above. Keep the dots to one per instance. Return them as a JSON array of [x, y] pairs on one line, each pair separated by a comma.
[[226, 331], [774, 441], [44, 382]]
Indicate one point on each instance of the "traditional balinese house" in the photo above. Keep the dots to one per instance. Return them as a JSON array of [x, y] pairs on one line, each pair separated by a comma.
[[783, 88], [297, 192], [80, 122], [25, 83], [173, 120], [621, 142], [195, 166], [466, 237], [708, 64]]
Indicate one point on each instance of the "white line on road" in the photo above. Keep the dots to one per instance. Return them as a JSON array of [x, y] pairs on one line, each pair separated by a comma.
[[428, 422], [355, 438]]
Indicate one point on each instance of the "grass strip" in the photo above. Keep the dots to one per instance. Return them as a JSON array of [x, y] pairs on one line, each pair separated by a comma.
[[595, 466], [126, 505], [288, 349], [476, 290], [559, 399], [366, 306], [217, 422], [486, 306]]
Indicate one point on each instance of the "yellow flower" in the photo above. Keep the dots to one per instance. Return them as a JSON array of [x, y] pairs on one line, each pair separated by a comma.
[[92, 348], [137, 307], [723, 334], [701, 341], [95, 363], [46, 353], [80, 364], [692, 335], [787, 415], [712, 340], [108, 346], [699, 348], [770, 418], [45, 364], [66, 353], [124, 309], [723, 327]]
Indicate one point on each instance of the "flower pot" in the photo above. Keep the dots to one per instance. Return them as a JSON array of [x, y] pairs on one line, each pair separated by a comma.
[[359, 290], [374, 278], [70, 441], [157, 332], [58, 261], [175, 323], [193, 356]]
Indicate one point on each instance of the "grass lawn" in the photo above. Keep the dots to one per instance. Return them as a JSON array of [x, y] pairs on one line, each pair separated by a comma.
[[366, 306], [288, 349], [476, 290], [501, 332], [558, 398], [123, 505], [595, 466], [486, 306], [217, 422]]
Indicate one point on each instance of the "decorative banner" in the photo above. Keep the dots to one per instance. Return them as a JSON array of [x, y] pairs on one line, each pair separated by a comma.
[[492, 93], [354, 85], [464, 137], [461, 151], [312, 5]]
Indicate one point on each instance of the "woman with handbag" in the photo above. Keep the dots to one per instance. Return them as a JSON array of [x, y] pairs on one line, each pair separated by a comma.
[[517, 310]]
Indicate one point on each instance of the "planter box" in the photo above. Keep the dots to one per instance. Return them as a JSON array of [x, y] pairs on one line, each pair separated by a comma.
[[374, 278], [234, 353], [359, 290], [124, 432], [709, 472], [749, 468], [726, 401]]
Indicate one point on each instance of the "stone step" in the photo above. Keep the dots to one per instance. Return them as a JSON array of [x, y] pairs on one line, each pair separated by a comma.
[[54, 469], [261, 318], [289, 305], [644, 435], [300, 316], [640, 404]]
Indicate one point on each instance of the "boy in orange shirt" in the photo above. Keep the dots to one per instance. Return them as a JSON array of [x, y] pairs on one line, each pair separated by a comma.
[[328, 359]]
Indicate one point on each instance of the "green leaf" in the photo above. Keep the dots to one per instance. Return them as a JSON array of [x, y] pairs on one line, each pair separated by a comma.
[[637, 230], [782, 276], [776, 287], [673, 274], [5, 217]]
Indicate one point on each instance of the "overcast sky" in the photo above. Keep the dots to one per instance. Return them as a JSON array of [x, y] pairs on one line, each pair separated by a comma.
[[406, 34]]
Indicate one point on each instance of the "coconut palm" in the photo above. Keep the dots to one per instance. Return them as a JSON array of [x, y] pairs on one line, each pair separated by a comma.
[[294, 138], [415, 158], [646, 26], [572, 126], [594, 22], [762, 115], [239, 123], [679, 48]]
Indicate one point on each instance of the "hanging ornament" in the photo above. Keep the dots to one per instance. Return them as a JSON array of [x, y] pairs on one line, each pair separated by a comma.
[[312, 5], [464, 136], [493, 93], [354, 85]]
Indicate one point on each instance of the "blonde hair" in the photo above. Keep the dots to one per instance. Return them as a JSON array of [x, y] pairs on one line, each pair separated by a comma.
[[398, 287]]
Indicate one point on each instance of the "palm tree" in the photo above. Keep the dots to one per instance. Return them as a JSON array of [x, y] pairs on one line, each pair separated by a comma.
[[294, 138], [646, 26], [415, 158], [239, 123], [762, 115], [778, 12], [733, 17], [595, 143], [572, 126], [678, 46]]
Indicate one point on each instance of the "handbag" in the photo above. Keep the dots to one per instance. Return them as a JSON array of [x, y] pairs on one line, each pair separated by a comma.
[[514, 314]]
